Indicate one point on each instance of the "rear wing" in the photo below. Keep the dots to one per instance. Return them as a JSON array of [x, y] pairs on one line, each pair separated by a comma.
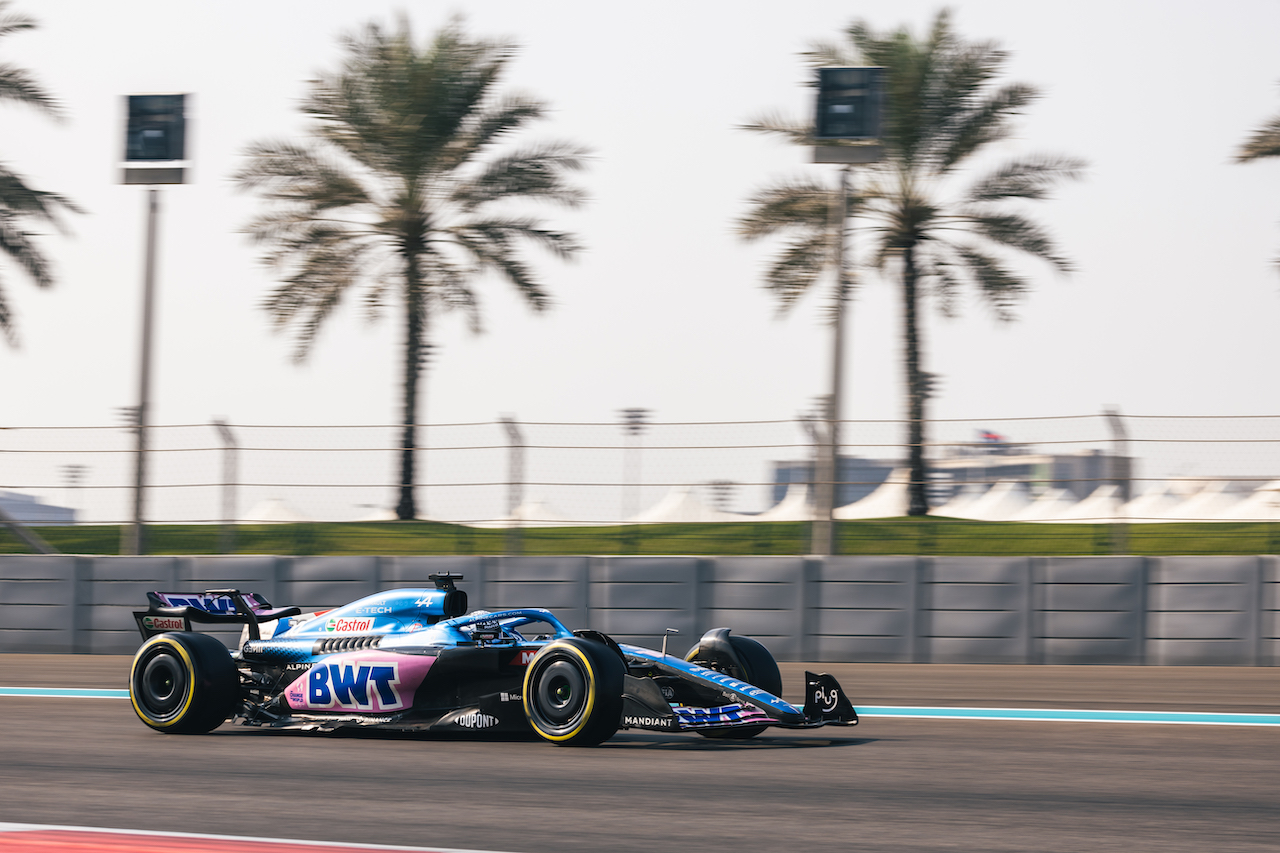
[[175, 611]]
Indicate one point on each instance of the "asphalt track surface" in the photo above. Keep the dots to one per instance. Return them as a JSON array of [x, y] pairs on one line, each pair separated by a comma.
[[888, 785]]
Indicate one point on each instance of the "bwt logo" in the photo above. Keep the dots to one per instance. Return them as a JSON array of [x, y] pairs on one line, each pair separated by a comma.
[[356, 686]]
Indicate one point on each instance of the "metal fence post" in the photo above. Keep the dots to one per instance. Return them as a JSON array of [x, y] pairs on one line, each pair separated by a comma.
[[819, 526], [1144, 605], [1120, 474], [136, 542], [230, 451], [922, 624], [634, 421], [807, 603], [515, 484]]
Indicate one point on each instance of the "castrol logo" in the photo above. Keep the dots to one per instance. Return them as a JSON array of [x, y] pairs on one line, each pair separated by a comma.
[[348, 626], [163, 623]]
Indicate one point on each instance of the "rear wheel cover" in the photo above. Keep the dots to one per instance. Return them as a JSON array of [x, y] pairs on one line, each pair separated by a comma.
[[164, 686], [183, 683], [160, 683]]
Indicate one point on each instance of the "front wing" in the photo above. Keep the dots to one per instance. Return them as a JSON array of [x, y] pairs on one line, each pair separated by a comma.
[[675, 695]]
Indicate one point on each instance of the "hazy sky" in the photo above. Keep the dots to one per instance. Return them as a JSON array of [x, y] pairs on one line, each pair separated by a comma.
[[1174, 309]]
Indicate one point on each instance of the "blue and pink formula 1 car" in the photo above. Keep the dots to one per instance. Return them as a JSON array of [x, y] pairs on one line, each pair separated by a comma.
[[416, 660]]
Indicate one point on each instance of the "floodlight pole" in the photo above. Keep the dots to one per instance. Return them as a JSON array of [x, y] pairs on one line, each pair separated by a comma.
[[1120, 474], [812, 425], [850, 108], [154, 149], [515, 483], [634, 421], [230, 447], [136, 543], [827, 494]]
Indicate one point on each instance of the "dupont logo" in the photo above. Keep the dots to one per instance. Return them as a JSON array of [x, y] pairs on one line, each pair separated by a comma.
[[163, 623], [477, 720], [348, 626]]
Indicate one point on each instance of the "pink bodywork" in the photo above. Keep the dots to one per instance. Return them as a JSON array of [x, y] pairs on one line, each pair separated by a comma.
[[363, 682]]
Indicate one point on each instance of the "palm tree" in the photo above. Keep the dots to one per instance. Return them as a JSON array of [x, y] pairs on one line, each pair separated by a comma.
[[22, 206], [943, 110], [1265, 142], [402, 191]]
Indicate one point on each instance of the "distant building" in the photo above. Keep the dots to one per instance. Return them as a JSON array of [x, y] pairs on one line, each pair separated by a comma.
[[28, 509], [1079, 473], [856, 477]]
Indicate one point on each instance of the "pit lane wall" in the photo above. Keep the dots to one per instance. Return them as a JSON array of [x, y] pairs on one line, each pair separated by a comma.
[[1049, 610]]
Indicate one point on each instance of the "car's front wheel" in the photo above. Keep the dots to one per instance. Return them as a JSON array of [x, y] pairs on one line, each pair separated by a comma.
[[754, 665], [573, 692], [183, 683]]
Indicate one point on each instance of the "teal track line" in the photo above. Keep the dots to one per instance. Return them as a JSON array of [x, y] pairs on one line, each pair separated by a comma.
[[1042, 715], [63, 693], [1067, 715]]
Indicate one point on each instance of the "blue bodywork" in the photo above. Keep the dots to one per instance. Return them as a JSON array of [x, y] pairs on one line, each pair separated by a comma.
[[415, 659]]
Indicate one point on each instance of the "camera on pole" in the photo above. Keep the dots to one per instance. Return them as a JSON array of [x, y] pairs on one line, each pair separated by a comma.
[[849, 115], [155, 153], [850, 108], [155, 139]]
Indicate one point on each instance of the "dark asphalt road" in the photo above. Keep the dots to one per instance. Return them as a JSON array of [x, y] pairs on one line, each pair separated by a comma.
[[887, 785]]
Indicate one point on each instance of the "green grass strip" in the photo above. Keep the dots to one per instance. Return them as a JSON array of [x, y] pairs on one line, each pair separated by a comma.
[[907, 536]]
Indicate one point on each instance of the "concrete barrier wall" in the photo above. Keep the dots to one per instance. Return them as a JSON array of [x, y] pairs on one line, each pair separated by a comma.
[[1051, 610], [1092, 610]]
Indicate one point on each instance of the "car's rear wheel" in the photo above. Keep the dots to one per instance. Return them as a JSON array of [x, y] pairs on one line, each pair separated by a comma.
[[573, 692], [183, 683], [755, 665]]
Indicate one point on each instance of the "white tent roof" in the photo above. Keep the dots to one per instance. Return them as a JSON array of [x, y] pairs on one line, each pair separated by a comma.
[[794, 506], [274, 511], [1002, 502], [382, 515], [1214, 500], [1183, 487], [955, 507], [379, 515], [1102, 505], [889, 500], [1051, 504], [1262, 505], [681, 505], [1153, 506], [531, 513]]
